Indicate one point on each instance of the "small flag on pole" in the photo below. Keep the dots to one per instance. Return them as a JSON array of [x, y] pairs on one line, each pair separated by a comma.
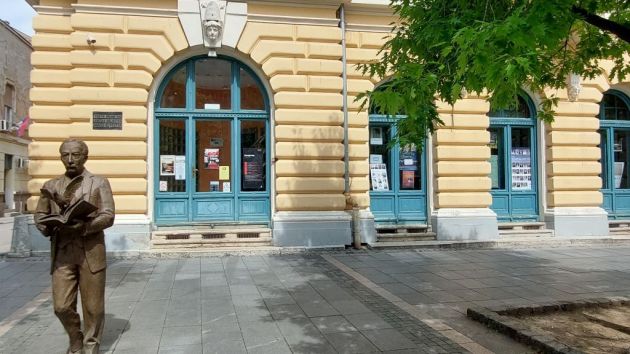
[[23, 126]]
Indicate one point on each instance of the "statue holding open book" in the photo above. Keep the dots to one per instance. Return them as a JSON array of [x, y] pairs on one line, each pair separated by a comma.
[[73, 210]]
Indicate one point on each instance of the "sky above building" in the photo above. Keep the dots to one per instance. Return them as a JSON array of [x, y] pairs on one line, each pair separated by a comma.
[[19, 14]]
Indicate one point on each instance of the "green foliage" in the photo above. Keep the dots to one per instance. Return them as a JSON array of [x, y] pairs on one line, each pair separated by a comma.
[[443, 48]]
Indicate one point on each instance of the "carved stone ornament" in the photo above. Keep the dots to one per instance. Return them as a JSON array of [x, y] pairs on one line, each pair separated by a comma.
[[212, 20], [573, 87]]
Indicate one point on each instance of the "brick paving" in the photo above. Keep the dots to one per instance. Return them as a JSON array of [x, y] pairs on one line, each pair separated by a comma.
[[378, 301]]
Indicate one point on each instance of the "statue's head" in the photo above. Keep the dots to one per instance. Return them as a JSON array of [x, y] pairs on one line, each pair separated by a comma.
[[74, 154], [213, 30]]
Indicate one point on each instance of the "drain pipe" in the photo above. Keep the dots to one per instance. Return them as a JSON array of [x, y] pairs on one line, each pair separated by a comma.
[[355, 228], [344, 94]]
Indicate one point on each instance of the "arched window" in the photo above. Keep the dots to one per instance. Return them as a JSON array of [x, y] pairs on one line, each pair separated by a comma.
[[397, 174], [212, 128], [614, 115], [513, 165]]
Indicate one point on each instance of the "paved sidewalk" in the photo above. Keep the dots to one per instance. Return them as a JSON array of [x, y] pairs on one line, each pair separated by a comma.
[[355, 302]]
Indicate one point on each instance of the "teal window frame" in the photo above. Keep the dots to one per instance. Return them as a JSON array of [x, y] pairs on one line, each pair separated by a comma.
[[516, 205], [396, 196], [237, 210], [616, 201]]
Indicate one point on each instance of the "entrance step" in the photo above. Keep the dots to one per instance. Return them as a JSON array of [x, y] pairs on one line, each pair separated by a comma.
[[210, 238], [524, 229], [619, 227], [404, 233]]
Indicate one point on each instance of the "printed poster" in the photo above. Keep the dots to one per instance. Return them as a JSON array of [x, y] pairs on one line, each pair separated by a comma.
[[375, 158], [227, 187], [180, 167], [224, 173], [408, 159], [378, 172], [408, 178], [618, 173], [376, 136], [214, 186], [253, 169], [211, 159], [521, 169], [167, 165], [163, 186], [494, 171]]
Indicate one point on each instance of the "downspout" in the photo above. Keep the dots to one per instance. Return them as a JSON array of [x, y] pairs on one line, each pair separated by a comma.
[[355, 225], [344, 94]]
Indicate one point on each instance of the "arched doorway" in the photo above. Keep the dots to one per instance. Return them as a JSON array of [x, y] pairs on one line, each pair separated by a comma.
[[398, 187], [614, 118], [513, 143], [211, 144]]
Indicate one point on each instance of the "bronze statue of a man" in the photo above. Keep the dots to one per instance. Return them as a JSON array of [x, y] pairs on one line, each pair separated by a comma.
[[78, 245]]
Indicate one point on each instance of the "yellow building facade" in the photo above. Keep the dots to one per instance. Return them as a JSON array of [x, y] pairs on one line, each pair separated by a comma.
[[259, 112]]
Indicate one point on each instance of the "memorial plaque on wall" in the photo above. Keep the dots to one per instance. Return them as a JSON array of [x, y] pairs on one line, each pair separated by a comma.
[[107, 120]]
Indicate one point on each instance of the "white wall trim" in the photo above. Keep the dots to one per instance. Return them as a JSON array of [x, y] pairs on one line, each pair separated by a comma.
[[369, 28], [124, 10], [315, 21], [53, 10]]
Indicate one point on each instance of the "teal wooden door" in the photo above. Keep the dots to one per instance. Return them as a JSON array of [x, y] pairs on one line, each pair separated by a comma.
[[211, 145], [614, 118], [397, 177], [513, 142]]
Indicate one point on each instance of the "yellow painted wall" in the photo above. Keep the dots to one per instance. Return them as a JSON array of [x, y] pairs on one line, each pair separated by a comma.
[[71, 80], [461, 156], [303, 66], [572, 148]]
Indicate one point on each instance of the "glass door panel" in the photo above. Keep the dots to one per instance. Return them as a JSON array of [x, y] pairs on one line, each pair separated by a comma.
[[253, 156], [521, 159], [497, 158], [380, 162], [620, 155], [603, 144], [172, 155], [213, 145], [409, 168]]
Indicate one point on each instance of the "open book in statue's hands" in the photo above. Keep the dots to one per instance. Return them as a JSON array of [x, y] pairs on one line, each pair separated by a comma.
[[68, 211], [77, 210]]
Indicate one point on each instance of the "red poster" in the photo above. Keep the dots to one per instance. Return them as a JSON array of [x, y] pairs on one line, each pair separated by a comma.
[[408, 179]]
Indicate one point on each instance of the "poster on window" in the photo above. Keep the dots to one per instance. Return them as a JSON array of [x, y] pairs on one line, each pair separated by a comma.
[[253, 169], [167, 165], [180, 167], [494, 171], [408, 179], [521, 169], [211, 159], [378, 173], [408, 158], [618, 173]]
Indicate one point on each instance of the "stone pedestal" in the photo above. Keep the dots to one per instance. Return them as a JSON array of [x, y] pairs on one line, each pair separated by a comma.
[[465, 224], [570, 222], [312, 229]]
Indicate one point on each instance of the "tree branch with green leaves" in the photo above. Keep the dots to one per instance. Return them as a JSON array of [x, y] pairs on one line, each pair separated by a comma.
[[441, 49]]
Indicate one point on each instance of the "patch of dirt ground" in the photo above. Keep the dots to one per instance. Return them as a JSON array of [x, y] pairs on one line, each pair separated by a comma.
[[591, 330]]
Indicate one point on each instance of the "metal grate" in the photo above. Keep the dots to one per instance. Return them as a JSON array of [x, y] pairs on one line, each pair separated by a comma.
[[248, 235], [212, 236], [177, 237]]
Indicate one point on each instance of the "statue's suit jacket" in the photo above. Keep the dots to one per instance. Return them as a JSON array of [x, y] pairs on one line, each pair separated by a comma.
[[96, 190]]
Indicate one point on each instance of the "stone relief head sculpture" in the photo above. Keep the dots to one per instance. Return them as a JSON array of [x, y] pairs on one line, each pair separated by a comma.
[[213, 25]]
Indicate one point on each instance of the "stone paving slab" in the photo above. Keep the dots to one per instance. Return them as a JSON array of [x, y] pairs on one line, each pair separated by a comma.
[[356, 301], [235, 304]]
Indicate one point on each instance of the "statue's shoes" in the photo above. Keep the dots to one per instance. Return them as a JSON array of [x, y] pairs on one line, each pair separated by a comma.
[[78, 351]]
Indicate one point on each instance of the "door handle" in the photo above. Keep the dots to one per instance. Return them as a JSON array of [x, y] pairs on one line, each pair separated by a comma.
[[194, 172]]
